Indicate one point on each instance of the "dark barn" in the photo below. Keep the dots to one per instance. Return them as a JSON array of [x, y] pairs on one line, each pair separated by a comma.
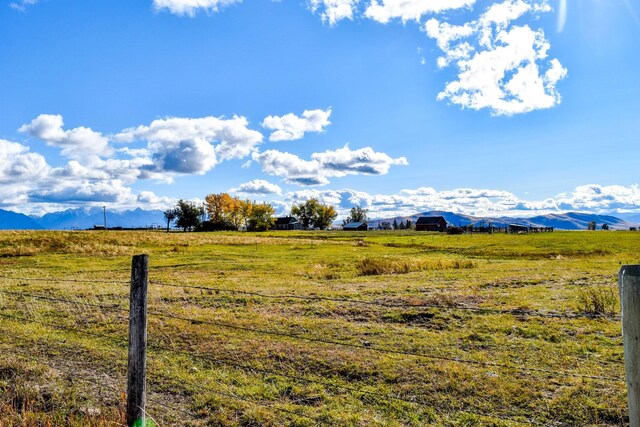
[[431, 223], [356, 226], [517, 228], [287, 223]]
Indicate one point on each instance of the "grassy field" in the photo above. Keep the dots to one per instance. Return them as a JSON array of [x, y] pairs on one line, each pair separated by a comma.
[[392, 336]]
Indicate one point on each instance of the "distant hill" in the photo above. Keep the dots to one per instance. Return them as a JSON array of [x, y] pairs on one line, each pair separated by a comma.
[[635, 218], [579, 221], [17, 221], [86, 218], [565, 221]]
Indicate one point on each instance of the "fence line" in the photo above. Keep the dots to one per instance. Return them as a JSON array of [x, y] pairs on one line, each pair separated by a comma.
[[295, 336], [384, 350], [54, 279], [515, 312], [237, 365], [124, 343], [362, 346], [489, 310], [63, 300], [154, 347]]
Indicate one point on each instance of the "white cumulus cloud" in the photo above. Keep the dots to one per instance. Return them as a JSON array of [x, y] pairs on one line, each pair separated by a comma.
[[291, 127], [194, 145], [77, 143], [501, 66], [336, 163], [257, 187], [344, 161], [472, 201]]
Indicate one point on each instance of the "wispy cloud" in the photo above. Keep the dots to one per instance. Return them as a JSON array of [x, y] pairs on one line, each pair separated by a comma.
[[22, 5], [191, 7], [562, 15]]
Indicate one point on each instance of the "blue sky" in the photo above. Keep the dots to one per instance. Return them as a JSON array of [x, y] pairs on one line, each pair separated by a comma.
[[475, 106]]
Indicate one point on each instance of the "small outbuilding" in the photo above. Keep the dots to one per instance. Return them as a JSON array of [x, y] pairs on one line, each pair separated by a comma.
[[431, 223], [287, 223], [356, 226], [518, 228]]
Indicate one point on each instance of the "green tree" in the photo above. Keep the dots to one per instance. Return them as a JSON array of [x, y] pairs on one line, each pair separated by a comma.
[[261, 218], [188, 215], [409, 226], [395, 224], [324, 216], [357, 215], [591, 225], [402, 225], [605, 226], [170, 215], [313, 214], [304, 212]]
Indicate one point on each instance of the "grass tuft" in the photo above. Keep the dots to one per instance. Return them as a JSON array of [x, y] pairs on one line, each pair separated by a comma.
[[370, 266]]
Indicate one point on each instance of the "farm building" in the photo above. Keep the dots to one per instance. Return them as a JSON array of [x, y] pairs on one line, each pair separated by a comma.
[[431, 223], [517, 228], [287, 223], [356, 226]]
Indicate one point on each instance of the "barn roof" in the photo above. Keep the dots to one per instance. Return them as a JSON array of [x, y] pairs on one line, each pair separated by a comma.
[[354, 224], [285, 220], [430, 220]]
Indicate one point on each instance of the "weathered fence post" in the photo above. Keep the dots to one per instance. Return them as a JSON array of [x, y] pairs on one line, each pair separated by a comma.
[[629, 283], [137, 367]]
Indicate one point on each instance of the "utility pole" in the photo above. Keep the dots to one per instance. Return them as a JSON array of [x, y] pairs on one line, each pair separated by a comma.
[[105, 216]]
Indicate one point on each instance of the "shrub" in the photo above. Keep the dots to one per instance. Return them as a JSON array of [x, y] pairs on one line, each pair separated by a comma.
[[598, 300]]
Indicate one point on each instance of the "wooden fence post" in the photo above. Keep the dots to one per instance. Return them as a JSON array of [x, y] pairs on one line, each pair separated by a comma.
[[137, 366], [629, 283]]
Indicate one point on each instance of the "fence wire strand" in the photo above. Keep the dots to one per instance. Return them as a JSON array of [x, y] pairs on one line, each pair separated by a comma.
[[382, 349]]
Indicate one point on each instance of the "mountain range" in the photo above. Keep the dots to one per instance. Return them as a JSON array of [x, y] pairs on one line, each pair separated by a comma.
[[565, 221], [83, 218]]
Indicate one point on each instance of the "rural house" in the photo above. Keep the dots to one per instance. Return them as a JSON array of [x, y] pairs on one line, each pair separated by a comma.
[[287, 223], [356, 226], [431, 223]]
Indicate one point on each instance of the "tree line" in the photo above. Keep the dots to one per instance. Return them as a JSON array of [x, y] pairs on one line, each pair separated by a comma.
[[221, 211]]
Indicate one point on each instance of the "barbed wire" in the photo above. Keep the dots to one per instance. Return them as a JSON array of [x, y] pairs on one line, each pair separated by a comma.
[[62, 280], [63, 300], [264, 371], [487, 310], [240, 366], [236, 364], [382, 349], [69, 329], [515, 312], [345, 344]]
